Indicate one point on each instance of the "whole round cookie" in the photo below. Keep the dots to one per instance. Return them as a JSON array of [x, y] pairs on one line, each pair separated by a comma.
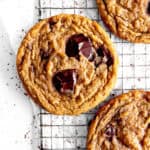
[[67, 64], [128, 19], [122, 124]]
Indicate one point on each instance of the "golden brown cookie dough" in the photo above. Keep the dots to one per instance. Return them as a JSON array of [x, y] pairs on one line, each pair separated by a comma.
[[128, 19], [122, 124], [67, 64]]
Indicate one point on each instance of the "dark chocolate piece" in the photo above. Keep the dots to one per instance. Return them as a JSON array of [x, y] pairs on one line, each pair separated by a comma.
[[110, 132], [148, 8], [104, 56], [79, 44], [65, 81]]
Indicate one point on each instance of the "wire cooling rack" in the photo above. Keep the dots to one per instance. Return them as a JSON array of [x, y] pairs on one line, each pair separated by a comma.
[[69, 132]]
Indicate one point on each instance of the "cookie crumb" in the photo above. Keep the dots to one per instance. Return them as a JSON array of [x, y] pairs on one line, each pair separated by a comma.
[[25, 94]]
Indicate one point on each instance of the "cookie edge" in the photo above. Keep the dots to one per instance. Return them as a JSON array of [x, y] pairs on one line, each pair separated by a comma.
[[107, 88], [102, 12], [104, 108]]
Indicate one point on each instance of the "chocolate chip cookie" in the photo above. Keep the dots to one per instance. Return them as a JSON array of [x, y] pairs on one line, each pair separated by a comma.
[[122, 124], [128, 19], [67, 64]]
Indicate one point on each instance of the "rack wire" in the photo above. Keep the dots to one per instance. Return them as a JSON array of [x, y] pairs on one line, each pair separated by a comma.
[[69, 132]]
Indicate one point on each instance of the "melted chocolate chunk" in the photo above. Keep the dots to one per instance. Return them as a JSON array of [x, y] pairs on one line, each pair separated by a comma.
[[64, 81], [148, 8], [105, 56], [72, 47], [110, 132], [86, 50], [79, 44]]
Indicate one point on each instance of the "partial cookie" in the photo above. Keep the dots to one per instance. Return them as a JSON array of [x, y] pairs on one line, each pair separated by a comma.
[[128, 19], [122, 124], [67, 64]]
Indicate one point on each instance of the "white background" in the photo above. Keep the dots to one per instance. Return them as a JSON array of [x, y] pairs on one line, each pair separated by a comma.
[[16, 113]]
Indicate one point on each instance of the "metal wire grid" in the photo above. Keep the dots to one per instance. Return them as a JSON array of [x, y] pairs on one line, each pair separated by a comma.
[[68, 132]]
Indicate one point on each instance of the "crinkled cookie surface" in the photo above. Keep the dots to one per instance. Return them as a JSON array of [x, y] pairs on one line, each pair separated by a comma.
[[67, 64], [122, 124], [128, 19]]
